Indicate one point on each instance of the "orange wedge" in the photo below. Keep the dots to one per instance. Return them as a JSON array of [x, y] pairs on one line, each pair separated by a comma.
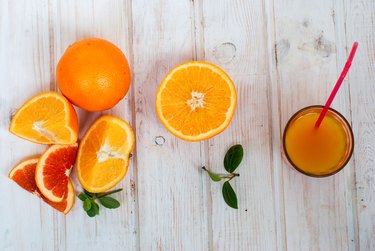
[[47, 118], [24, 175], [67, 203], [104, 152], [196, 101], [53, 170]]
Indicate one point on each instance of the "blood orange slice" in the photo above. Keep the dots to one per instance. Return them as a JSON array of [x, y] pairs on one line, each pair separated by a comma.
[[67, 203], [53, 170], [24, 175]]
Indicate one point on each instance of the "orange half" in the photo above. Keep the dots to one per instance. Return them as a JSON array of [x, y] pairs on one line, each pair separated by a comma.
[[47, 118], [53, 170], [24, 175], [196, 101], [104, 152]]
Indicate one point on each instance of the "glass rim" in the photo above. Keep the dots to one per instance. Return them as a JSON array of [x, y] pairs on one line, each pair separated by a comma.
[[349, 135]]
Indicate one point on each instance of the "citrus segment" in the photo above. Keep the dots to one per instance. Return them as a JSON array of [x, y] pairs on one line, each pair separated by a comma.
[[104, 152], [67, 203], [196, 101], [24, 175], [47, 118], [93, 74], [53, 170]]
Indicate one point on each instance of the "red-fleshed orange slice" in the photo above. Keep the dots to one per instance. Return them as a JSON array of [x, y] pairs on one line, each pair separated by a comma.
[[53, 170], [24, 175]]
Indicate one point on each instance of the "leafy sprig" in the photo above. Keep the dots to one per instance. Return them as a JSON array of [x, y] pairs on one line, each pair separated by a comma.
[[232, 160], [90, 205]]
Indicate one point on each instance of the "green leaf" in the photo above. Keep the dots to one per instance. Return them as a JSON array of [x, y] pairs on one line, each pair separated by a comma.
[[229, 195], [214, 177], [100, 195], [94, 210], [87, 204], [233, 158], [90, 195], [109, 202], [83, 196]]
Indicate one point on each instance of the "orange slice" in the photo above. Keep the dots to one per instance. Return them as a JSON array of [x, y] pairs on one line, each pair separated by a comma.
[[24, 175], [104, 152], [196, 101], [67, 203], [53, 170], [47, 118]]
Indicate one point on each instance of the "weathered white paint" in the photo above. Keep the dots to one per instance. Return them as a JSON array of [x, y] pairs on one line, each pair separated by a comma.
[[235, 45], [282, 56], [361, 26], [315, 210]]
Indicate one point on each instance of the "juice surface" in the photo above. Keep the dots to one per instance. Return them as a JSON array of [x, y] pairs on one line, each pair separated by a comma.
[[316, 150]]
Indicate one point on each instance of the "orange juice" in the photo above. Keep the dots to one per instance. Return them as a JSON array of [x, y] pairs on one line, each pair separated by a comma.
[[318, 151]]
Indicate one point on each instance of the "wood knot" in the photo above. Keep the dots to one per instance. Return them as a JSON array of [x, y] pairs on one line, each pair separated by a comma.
[[225, 52]]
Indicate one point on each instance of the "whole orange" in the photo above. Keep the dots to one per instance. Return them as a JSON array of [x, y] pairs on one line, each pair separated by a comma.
[[93, 74]]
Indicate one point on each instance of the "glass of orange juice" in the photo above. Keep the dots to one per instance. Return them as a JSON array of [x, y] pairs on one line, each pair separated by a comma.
[[318, 152]]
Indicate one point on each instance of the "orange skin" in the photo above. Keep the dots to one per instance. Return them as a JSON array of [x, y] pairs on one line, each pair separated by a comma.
[[93, 74], [24, 175], [71, 119]]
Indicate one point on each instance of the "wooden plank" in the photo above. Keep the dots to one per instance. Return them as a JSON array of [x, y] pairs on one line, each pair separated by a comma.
[[235, 36], [360, 26], [172, 205], [316, 212], [110, 20], [24, 72]]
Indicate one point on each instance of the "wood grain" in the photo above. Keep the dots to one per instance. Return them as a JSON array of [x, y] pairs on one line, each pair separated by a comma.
[[235, 45], [111, 20], [171, 202], [24, 72], [316, 213], [282, 56], [360, 26]]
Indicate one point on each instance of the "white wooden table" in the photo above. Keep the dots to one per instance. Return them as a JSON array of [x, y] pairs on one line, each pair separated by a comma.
[[282, 55]]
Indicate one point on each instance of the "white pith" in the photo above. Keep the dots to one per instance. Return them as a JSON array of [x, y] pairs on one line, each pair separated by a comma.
[[197, 100], [67, 171], [204, 135], [105, 152], [38, 126]]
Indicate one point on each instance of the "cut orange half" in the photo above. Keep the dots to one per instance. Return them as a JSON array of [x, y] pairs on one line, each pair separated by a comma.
[[53, 170], [104, 152], [24, 175], [47, 118], [196, 101]]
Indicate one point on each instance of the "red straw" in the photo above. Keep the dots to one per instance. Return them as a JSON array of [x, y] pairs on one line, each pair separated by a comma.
[[338, 84]]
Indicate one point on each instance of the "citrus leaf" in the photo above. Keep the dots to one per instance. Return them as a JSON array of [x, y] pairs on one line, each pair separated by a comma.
[[109, 202], [94, 210], [229, 195], [99, 195], [96, 206], [233, 158], [214, 177], [87, 204], [82, 196], [90, 195]]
